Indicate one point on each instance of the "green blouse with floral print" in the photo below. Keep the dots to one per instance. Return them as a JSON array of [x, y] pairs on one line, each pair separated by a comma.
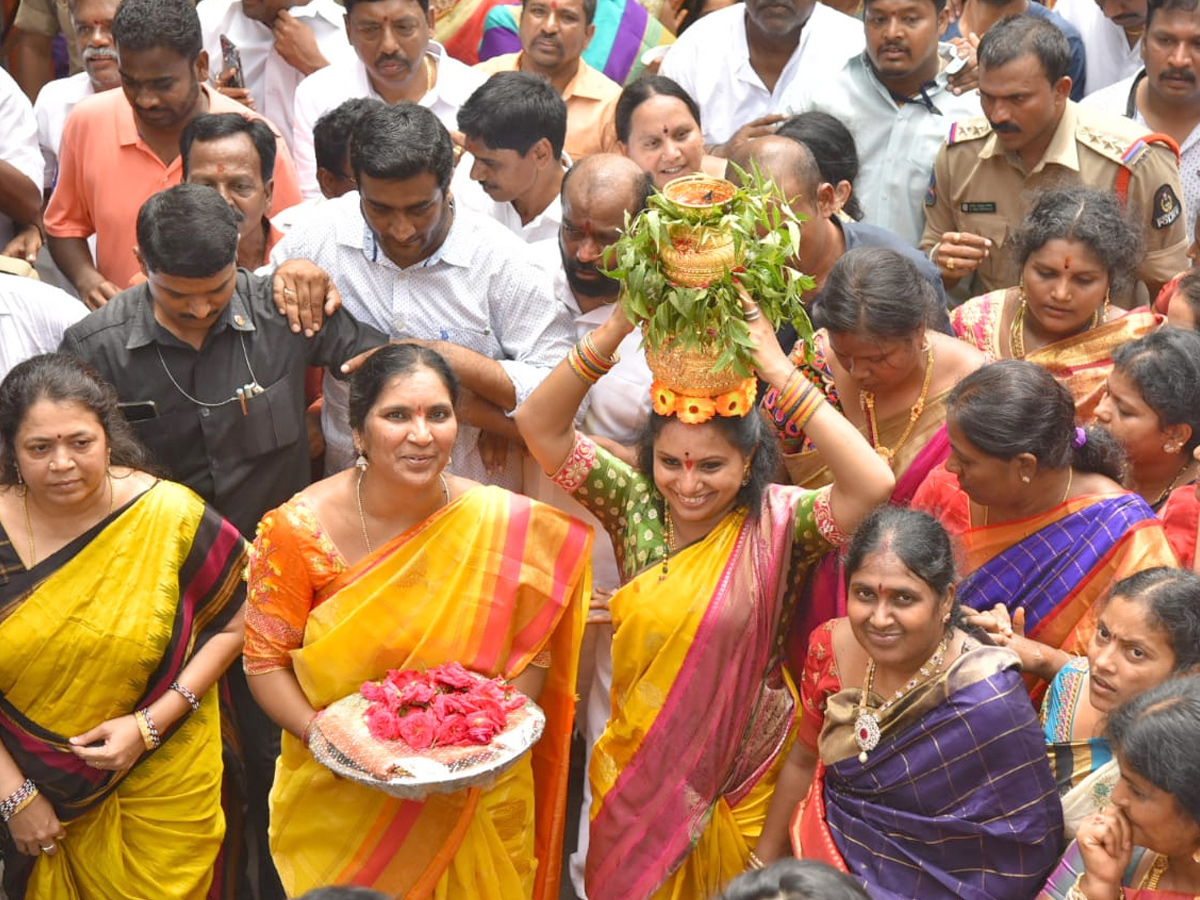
[[630, 508]]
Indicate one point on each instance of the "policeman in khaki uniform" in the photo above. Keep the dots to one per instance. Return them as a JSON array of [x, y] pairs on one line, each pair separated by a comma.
[[1034, 138]]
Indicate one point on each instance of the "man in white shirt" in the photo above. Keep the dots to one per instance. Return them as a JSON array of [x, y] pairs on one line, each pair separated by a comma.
[[22, 169], [738, 62], [33, 317], [894, 98], [410, 264], [1165, 95], [395, 59], [279, 42], [514, 126], [93, 34], [1112, 33]]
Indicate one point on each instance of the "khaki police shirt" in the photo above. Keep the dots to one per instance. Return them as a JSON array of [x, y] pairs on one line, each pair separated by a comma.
[[979, 188]]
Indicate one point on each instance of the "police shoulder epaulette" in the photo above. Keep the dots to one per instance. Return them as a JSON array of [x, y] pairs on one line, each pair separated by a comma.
[[1125, 149], [968, 130]]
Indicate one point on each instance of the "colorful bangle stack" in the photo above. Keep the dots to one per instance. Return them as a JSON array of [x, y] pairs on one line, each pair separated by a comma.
[[192, 699], [18, 800], [150, 736], [795, 405], [587, 363]]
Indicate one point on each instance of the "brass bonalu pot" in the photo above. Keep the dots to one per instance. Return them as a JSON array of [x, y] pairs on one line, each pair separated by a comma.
[[699, 252], [691, 371]]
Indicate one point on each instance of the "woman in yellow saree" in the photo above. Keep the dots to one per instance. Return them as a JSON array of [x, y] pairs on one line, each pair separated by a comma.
[[702, 710], [120, 605], [1076, 250], [396, 565]]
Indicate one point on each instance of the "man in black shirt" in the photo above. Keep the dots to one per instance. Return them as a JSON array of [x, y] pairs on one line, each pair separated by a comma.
[[208, 372]]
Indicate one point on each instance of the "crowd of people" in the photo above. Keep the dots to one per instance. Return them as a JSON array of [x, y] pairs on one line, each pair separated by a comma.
[[915, 616]]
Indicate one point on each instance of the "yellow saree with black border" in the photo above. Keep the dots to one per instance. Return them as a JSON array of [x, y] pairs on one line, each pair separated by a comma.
[[95, 631]]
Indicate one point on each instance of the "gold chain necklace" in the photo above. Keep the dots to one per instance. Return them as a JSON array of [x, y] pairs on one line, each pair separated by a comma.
[[362, 518], [866, 723], [1154, 876], [866, 401], [29, 521], [669, 534], [1016, 331]]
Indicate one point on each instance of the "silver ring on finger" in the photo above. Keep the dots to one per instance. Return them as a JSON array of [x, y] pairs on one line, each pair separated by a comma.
[[48, 849], [288, 292]]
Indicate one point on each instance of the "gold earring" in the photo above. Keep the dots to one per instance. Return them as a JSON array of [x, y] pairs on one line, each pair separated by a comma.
[[20, 480], [1026, 479]]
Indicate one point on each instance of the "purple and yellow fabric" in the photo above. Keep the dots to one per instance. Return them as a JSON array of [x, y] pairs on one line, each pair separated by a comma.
[[956, 802], [624, 31]]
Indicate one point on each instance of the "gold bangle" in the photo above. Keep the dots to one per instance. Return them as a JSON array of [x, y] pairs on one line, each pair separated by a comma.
[[24, 803], [150, 735], [755, 862]]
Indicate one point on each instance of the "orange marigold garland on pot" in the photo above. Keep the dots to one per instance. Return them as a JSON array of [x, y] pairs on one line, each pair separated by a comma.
[[678, 260]]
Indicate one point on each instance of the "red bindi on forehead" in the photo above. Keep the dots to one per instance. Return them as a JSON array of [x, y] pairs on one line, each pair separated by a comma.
[[221, 168]]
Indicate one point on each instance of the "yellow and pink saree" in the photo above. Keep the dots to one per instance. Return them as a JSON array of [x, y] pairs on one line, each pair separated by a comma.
[[95, 631], [703, 712], [490, 581]]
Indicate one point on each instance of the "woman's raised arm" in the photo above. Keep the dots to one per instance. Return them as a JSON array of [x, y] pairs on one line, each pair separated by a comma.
[[546, 419], [861, 478]]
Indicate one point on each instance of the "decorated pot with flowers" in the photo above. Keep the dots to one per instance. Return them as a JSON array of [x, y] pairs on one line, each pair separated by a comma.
[[678, 260]]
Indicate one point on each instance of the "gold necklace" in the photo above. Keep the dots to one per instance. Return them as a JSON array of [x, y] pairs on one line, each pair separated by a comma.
[[428, 75], [29, 521], [866, 723], [669, 534], [1016, 331], [1151, 879], [362, 518], [866, 401]]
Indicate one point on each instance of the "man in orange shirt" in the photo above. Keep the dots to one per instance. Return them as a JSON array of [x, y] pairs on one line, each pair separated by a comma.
[[120, 147], [554, 34]]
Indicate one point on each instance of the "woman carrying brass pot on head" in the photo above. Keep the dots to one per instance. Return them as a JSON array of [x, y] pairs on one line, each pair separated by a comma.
[[703, 712]]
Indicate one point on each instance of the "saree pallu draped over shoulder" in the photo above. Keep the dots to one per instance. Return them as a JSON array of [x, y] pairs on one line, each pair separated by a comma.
[[956, 802], [96, 631], [1057, 565], [489, 581], [1081, 362], [702, 710]]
